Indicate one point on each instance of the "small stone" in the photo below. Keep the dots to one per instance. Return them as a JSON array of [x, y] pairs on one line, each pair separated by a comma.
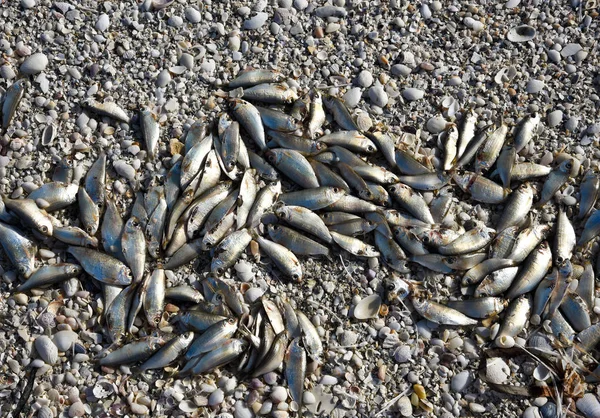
[[256, 21], [352, 97], [534, 86], [554, 56], [27, 4], [192, 15], [34, 64], [253, 294], [365, 79], [404, 406], [125, 170], [77, 410], [411, 94], [175, 21], [328, 380], [308, 398], [7, 73], [401, 70], [460, 381], [570, 49], [571, 123], [348, 338], [378, 96], [555, 118], [64, 340], [103, 22], [436, 124], [216, 398], [497, 371], [163, 79], [279, 394], [300, 4]]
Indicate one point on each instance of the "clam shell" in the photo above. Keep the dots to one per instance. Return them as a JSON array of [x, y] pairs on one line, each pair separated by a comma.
[[368, 307], [48, 134], [161, 4], [46, 349], [522, 33]]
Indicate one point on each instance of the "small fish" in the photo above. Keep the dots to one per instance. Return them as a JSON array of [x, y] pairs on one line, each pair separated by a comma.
[[253, 77], [304, 219], [229, 250], [480, 188], [102, 267], [480, 307], [535, 268], [89, 214], [412, 201], [270, 93], [154, 298], [59, 195], [133, 352], [472, 240], [526, 131], [352, 140], [133, 245], [506, 163], [150, 132], [450, 147], [50, 274], [589, 191], [517, 208], [284, 259], [354, 245], [489, 152], [12, 98], [294, 165], [110, 109], [340, 113], [441, 314], [30, 214], [516, 317], [169, 352], [564, 237], [556, 179], [467, 132], [295, 369], [316, 116]]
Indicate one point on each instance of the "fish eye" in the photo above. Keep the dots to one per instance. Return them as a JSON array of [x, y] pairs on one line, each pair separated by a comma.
[[275, 227], [336, 189], [569, 165], [295, 276], [451, 260], [22, 269], [44, 228], [220, 271], [370, 148], [559, 260], [231, 320], [426, 239]]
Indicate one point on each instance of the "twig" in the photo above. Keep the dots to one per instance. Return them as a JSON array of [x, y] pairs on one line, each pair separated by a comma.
[[389, 403]]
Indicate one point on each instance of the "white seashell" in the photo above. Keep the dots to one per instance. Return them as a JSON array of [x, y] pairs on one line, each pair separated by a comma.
[[521, 33], [64, 340], [363, 121], [589, 405], [501, 76], [48, 134], [178, 69], [46, 349], [187, 406], [436, 124], [368, 307], [103, 389], [541, 373]]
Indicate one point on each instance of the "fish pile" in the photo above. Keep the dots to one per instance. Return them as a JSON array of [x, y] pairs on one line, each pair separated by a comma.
[[295, 176]]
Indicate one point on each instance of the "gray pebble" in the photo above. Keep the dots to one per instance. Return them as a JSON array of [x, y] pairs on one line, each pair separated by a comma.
[[534, 86], [64, 339], [401, 70], [460, 381], [436, 124], [404, 406], [256, 21], [240, 410], [300, 4], [192, 15], [187, 60], [125, 170], [352, 97], [76, 410], [163, 79], [365, 79], [570, 49], [308, 398], [7, 73], [103, 22], [554, 56], [216, 397], [330, 11], [46, 349], [253, 294], [378, 96], [571, 124], [555, 118], [413, 94], [27, 4], [348, 338], [34, 64], [175, 21]]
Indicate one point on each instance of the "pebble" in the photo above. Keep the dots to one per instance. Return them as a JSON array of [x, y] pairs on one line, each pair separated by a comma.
[[192, 14], [308, 398], [64, 340], [125, 170], [46, 349], [175, 21], [460, 381], [256, 21], [328, 380], [300, 4], [411, 94], [253, 294], [534, 86], [103, 22], [555, 118], [77, 410], [163, 79], [34, 64], [401, 70], [571, 123], [404, 406], [378, 96], [570, 49], [27, 4], [279, 394], [216, 397], [352, 97], [436, 124], [7, 73], [497, 371], [365, 78]]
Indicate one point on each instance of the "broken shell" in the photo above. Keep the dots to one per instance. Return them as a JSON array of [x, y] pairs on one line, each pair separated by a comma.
[[103, 389], [521, 33], [48, 134], [368, 307], [161, 4], [541, 373]]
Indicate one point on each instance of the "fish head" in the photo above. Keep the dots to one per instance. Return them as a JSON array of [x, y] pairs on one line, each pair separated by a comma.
[[396, 287]]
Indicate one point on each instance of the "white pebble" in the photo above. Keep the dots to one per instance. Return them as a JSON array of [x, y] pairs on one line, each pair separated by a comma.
[[27, 4], [497, 371], [308, 398], [365, 79], [555, 118], [34, 64], [413, 94], [460, 381], [256, 21], [77, 410], [163, 79], [64, 340], [103, 22], [279, 394], [192, 15], [328, 380], [352, 97], [216, 397], [378, 96], [534, 86]]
